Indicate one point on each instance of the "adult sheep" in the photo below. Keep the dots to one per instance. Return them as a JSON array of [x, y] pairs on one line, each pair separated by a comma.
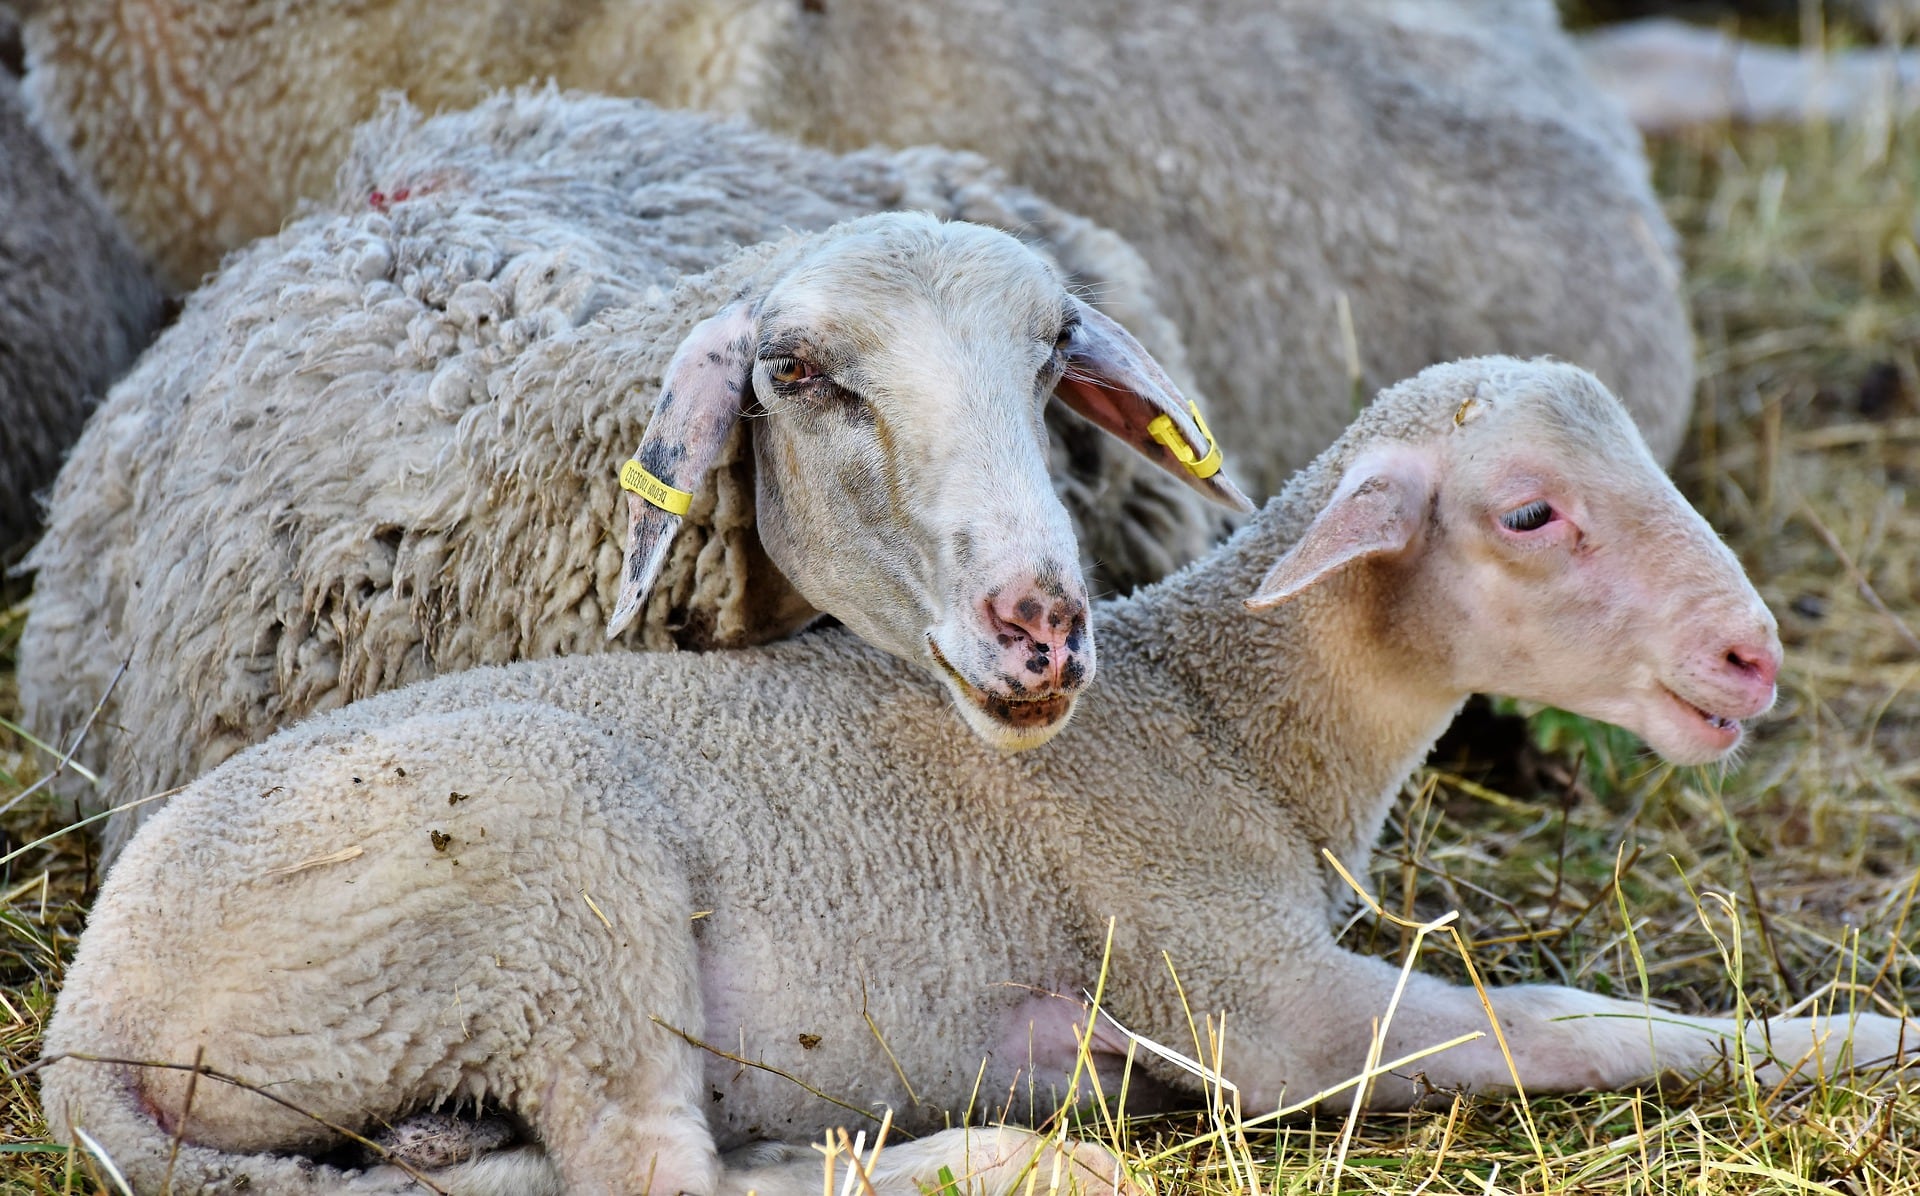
[[365, 945], [1411, 180], [384, 444], [76, 305]]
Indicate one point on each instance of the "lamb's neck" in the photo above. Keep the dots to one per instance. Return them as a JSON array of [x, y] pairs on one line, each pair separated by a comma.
[[1327, 701]]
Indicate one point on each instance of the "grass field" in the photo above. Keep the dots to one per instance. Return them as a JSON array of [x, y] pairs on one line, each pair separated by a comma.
[[1576, 859]]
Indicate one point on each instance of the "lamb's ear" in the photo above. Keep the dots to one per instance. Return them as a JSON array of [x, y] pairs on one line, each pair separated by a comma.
[[699, 404], [1113, 381], [1378, 509]]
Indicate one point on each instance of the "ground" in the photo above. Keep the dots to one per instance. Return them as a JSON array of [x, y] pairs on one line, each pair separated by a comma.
[[1569, 853]]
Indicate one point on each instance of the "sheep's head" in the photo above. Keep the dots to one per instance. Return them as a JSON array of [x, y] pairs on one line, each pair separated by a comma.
[[902, 366], [1524, 542]]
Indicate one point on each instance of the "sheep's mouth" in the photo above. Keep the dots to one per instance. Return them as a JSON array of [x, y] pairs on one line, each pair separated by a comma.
[[1716, 727], [1019, 714]]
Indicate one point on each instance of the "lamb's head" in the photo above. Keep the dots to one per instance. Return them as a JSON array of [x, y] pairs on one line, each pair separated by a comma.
[[902, 366], [1521, 540]]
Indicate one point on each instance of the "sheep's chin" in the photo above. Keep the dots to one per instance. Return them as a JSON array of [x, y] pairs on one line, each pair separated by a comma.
[[1008, 724], [1011, 726]]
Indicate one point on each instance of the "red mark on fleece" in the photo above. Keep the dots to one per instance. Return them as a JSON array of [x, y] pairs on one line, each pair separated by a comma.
[[379, 200], [151, 1108]]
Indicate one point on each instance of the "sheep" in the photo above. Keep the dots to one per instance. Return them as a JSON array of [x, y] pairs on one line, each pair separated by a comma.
[[12, 54], [538, 887], [1327, 190], [385, 444], [1670, 75], [76, 304]]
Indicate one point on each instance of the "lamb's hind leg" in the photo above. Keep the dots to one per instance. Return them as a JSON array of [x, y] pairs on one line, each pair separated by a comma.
[[987, 1161], [613, 1094], [620, 1148], [1323, 1009]]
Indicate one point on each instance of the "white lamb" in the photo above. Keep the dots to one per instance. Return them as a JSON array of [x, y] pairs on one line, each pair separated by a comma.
[[386, 445], [1391, 182], [542, 886]]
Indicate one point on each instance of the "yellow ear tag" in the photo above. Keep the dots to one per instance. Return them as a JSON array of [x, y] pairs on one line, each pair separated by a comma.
[[1162, 430], [634, 477]]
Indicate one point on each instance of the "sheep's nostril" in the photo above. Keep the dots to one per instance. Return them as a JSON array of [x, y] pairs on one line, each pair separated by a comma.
[[1762, 664], [1047, 630], [1006, 632]]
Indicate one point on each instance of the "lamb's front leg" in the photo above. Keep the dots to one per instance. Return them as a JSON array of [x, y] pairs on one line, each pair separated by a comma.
[[1313, 1029]]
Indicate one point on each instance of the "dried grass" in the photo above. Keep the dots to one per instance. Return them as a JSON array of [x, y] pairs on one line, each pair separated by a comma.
[[1779, 880]]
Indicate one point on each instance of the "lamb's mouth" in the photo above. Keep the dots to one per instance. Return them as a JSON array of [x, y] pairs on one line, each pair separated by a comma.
[[1717, 725], [1018, 713]]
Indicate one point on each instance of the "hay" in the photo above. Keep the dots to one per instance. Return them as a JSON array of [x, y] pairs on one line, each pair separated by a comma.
[[1791, 876]]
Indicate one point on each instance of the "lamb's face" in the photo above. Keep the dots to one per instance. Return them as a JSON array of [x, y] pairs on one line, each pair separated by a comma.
[[902, 469], [1530, 546], [1584, 580]]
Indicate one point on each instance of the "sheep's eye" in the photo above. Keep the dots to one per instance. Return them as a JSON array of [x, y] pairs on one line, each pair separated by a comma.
[[791, 371], [1532, 517]]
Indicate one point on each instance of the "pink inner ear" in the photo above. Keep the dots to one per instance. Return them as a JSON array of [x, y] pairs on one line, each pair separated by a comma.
[[1114, 382], [1128, 420], [1378, 510]]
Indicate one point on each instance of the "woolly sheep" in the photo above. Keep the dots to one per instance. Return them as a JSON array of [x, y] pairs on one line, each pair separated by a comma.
[[1669, 74], [385, 444], [538, 887], [12, 54], [76, 305], [1395, 182]]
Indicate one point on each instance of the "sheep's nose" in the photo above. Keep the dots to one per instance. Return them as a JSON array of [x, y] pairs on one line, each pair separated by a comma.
[[1042, 632], [1759, 662], [1751, 668]]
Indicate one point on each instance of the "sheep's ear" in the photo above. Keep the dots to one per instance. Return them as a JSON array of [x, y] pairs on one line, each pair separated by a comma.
[[1378, 509], [1112, 380], [699, 404]]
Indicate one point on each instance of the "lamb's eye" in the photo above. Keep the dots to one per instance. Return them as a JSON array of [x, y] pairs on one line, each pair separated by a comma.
[[790, 371], [1532, 517]]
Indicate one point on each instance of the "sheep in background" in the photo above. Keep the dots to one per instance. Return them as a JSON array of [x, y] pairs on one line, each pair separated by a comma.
[[13, 55], [383, 909], [1386, 183], [1669, 75], [385, 445], [76, 305]]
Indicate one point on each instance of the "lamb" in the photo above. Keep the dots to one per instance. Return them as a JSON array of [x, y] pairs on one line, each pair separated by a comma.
[[385, 444], [76, 304], [530, 887], [1373, 185]]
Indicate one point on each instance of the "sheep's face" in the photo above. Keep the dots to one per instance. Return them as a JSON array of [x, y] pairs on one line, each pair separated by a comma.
[[900, 367], [1534, 548], [902, 466]]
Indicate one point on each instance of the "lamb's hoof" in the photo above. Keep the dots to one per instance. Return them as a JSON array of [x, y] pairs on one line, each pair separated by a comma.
[[429, 1140], [766, 1154], [1001, 1160]]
